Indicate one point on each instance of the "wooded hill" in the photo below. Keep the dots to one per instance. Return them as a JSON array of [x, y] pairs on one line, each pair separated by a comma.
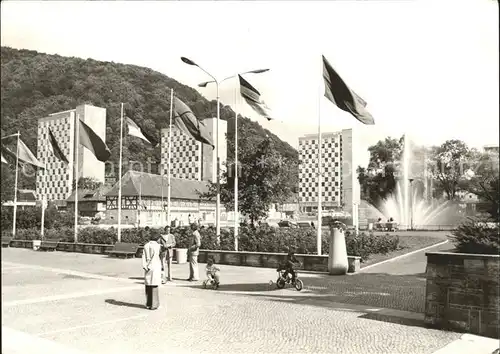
[[34, 85]]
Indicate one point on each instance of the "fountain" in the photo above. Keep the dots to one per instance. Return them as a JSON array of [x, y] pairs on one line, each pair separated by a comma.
[[409, 209]]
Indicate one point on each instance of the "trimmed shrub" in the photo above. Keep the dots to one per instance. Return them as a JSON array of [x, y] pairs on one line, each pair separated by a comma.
[[261, 239], [363, 245], [30, 218], [97, 235], [477, 236], [27, 234], [64, 234]]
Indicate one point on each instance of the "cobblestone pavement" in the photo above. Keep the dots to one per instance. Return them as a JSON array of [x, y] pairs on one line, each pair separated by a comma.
[[96, 304]]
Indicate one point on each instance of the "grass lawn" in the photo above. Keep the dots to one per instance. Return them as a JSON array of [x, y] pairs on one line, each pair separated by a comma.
[[410, 241]]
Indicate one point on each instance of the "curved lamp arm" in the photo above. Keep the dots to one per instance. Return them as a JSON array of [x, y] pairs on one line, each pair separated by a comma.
[[191, 62], [258, 71]]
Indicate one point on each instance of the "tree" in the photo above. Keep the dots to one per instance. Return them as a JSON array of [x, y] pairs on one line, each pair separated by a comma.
[[88, 183], [482, 179], [447, 165], [378, 180], [266, 178]]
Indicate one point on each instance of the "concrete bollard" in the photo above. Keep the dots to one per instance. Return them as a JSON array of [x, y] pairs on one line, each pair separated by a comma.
[[337, 259]]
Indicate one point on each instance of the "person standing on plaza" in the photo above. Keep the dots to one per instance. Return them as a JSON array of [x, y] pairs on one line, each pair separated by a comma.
[[167, 242], [190, 219], [193, 251], [151, 263]]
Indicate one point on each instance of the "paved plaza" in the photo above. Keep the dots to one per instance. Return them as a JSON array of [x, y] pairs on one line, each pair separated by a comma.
[[71, 302]]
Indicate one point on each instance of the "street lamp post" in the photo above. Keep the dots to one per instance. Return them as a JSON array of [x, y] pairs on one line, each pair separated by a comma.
[[217, 83], [411, 202]]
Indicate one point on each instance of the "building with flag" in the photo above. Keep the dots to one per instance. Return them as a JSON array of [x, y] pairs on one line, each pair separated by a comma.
[[192, 159], [340, 186], [57, 132], [144, 200]]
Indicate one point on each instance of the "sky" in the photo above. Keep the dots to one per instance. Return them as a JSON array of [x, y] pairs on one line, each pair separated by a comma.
[[428, 69]]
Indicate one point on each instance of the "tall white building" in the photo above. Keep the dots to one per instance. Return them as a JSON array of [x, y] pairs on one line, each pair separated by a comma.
[[191, 159], [340, 185], [56, 181]]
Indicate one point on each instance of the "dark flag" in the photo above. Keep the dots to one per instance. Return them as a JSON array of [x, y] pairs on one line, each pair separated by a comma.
[[56, 149], [342, 96], [136, 130], [252, 97], [23, 153], [186, 121], [93, 142]]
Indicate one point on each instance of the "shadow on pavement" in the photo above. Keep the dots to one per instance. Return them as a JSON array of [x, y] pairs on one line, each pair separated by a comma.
[[136, 278], [237, 286], [375, 314], [379, 290], [122, 303]]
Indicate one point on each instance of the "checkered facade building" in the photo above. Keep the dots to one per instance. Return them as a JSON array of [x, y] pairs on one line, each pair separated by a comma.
[[55, 182], [332, 183], [191, 159], [186, 155]]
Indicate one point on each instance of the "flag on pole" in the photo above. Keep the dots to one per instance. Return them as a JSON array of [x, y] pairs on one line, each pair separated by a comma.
[[24, 154], [342, 96], [252, 97], [186, 121], [56, 149], [93, 142], [136, 130]]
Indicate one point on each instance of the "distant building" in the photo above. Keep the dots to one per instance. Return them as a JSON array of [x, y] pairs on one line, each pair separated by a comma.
[[90, 202], [56, 181], [144, 200], [491, 148], [25, 198], [340, 186], [191, 159]]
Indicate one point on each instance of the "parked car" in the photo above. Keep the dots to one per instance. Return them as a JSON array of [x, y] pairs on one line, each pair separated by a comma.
[[287, 223], [305, 224]]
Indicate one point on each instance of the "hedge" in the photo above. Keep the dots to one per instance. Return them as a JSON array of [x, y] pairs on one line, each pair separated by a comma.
[[261, 239], [477, 236]]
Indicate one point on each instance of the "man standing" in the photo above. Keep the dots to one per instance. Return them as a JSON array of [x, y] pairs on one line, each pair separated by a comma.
[[193, 251], [151, 264], [167, 242]]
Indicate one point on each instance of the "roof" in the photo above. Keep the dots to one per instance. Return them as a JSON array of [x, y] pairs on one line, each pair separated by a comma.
[[150, 185], [26, 195], [90, 195]]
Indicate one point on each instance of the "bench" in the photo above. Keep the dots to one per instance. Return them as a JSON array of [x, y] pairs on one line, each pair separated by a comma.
[[124, 249], [6, 241], [48, 245]]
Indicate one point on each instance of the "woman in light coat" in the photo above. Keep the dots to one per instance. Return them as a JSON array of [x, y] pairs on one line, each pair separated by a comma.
[[151, 263]]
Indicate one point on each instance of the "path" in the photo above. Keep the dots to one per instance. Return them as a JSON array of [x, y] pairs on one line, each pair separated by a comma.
[[413, 264], [92, 303]]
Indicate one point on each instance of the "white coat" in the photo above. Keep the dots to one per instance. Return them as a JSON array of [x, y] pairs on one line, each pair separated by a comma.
[[151, 263]]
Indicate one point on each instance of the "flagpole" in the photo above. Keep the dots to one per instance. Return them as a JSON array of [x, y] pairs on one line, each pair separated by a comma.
[[120, 178], [169, 151], [236, 221], [15, 187], [43, 201], [140, 200], [77, 142], [162, 209], [320, 177]]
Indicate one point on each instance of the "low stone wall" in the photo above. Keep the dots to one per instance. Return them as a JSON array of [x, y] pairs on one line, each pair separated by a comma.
[[463, 292], [309, 262], [272, 260]]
